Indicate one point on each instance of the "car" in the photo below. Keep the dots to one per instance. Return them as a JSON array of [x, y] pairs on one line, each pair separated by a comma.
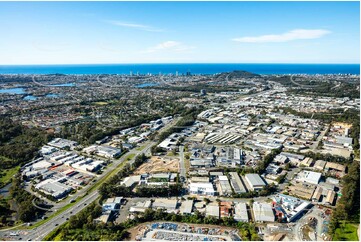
[[67, 218], [56, 224], [20, 239], [71, 212]]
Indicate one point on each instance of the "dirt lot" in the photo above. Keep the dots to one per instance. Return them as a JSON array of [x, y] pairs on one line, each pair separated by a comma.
[[138, 230], [159, 164], [343, 125]]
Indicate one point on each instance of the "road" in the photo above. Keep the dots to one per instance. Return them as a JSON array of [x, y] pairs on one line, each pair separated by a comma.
[[181, 162], [314, 212], [85, 199]]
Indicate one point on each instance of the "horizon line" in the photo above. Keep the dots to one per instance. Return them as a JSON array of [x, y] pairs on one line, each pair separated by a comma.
[[180, 63]]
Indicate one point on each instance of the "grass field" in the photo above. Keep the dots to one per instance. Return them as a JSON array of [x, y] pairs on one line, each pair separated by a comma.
[[347, 232], [7, 174]]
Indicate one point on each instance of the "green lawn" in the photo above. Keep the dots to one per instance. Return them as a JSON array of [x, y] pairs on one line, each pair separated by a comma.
[[7, 174], [141, 147], [346, 233]]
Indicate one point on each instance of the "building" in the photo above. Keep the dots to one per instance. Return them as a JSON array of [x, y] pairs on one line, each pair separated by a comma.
[[203, 179], [335, 166], [140, 207], [319, 165], [255, 182], [212, 210], [201, 163], [240, 212], [263, 212], [224, 187], [169, 205], [104, 151], [54, 188], [186, 207], [226, 209], [330, 198], [303, 190], [63, 143], [288, 207], [201, 188], [307, 162], [131, 181], [317, 194], [237, 183], [309, 177]]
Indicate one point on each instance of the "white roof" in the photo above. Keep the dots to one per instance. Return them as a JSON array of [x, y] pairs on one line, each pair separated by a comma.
[[241, 213], [263, 212], [207, 186]]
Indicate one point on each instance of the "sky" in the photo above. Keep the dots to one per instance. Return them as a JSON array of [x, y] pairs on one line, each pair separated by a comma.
[[179, 32]]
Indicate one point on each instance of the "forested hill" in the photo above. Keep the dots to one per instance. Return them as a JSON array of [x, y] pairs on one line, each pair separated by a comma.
[[18, 144]]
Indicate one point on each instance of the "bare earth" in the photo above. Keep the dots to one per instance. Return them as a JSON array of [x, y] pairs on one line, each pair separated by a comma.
[[159, 164]]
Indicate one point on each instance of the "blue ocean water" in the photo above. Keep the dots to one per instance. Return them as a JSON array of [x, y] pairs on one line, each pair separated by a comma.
[[182, 68]]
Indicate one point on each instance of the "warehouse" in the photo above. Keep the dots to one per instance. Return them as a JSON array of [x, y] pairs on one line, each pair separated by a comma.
[[225, 188], [54, 188], [317, 194], [319, 165], [263, 212], [201, 188], [255, 182], [330, 197], [309, 177], [212, 210], [240, 212], [169, 205], [186, 207], [237, 183]]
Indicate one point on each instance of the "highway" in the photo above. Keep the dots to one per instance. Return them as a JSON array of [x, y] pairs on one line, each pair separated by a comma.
[[40, 232]]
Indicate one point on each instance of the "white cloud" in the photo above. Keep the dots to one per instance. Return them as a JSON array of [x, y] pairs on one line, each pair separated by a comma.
[[170, 46], [296, 34], [134, 26]]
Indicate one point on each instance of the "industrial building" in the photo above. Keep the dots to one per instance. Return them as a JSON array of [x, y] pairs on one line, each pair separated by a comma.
[[289, 208], [237, 183], [186, 207], [201, 188], [224, 187], [317, 194], [54, 188], [330, 198], [212, 210], [63, 143], [263, 212], [104, 151], [240, 212], [170, 205], [255, 182], [309, 177]]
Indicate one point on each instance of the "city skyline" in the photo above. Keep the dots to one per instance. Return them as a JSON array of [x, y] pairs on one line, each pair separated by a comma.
[[179, 32]]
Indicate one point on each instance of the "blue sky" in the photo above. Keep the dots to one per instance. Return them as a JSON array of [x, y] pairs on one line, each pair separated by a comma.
[[179, 32]]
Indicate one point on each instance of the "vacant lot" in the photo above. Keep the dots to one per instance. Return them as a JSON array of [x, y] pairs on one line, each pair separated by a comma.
[[158, 164]]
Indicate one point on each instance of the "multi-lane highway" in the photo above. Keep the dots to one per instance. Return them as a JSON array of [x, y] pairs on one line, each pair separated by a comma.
[[41, 231]]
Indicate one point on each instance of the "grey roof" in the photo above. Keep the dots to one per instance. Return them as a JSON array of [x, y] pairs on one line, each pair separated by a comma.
[[255, 180], [237, 183]]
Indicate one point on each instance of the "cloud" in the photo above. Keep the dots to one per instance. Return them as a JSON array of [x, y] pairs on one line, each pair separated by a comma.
[[169, 45], [296, 34], [134, 26]]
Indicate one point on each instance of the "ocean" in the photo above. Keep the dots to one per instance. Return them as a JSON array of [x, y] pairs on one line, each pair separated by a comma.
[[310, 69]]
